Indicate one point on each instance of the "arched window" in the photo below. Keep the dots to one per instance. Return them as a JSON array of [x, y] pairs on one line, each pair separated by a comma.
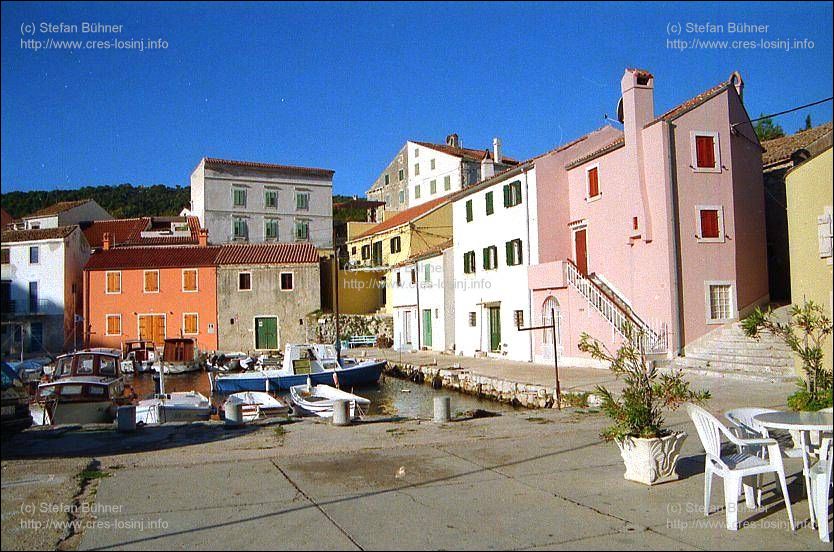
[[549, 307]]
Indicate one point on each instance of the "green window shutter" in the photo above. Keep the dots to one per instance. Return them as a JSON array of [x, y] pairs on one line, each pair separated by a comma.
[[469, 216], [489, 209], [518, 193], [519, 257], [509, 251], [486, 258], [506, 195]]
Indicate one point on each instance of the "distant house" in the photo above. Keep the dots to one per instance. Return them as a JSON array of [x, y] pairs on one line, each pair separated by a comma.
[[42, 289], [809, 202], [242, 201], [143, 231], [781, 155], [5, 219], [64, 213]]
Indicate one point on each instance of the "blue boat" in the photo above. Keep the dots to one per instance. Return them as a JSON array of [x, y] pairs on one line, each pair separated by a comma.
[[315, 362]]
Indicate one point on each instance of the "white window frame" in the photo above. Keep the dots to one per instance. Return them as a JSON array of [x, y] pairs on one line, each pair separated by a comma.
[[271, 191], [694, 151], [708, 304], [158, 282], [433, 164], [280, 281], [588, 197], [295, 230], [245, 196], [699, 236], [196, 280], [37, 249], [238, 280], [447, 183], [269, 220], [302, 193], [246, 226], [825, 220], [197, 314], [416, 169], [107, 317], [107, 279]]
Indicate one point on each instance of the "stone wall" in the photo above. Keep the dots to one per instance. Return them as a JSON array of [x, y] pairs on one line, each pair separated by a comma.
[[323, 326]]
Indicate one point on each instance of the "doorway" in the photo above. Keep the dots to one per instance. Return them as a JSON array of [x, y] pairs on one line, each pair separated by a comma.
[[580, 241], [152, 328], [494, 329], [427, 328], [266, 333]]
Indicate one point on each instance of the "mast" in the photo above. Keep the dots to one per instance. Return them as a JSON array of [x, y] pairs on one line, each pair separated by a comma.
[[336, 261]]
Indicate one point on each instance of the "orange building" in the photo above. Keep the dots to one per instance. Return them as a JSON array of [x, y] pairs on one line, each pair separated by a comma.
[[151, 293]]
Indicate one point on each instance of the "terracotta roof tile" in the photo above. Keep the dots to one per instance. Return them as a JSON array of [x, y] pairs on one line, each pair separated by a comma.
[[12, 236], [57, 208], [215, 163], [129, 232], [781, 149], [406, 216], [466, 153], [268, 253], [125, 258], [428, 253]]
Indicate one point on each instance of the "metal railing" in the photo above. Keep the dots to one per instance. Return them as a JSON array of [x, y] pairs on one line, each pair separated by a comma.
[[651, 340]]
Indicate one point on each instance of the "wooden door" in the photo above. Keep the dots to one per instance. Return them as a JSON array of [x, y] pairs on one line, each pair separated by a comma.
[[266, 333], [426, 328], [581, 245], [152, 328], [494, 329]]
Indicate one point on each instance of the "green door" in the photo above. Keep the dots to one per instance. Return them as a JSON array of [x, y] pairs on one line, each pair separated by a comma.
[[266, 333], [494, 329], [426, 327]]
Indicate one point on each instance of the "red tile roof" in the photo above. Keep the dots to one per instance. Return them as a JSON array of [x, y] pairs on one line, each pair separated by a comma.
[[57, 208], [129, 232], [12, 236], [268, 253], [214, 163], [466, 153], [781, 149], [406, 216], [432, 251]]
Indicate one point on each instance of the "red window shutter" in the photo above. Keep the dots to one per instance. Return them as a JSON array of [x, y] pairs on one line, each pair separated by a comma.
[[593, 183], [709, 223], [705, 150]]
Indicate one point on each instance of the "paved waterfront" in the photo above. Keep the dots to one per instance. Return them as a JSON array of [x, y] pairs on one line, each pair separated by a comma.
[[522, 480]]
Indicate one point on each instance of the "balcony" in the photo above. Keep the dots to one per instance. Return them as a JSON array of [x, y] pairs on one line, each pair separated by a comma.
[[547, 276], [29, 307]]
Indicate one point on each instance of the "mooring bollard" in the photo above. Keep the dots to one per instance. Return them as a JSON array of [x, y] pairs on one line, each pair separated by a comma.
[[341, 412], [126, 418], [233, 414], [442, 409]]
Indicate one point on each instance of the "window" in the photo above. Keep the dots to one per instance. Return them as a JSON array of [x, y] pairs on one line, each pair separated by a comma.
[[271, 199], [106, 367], [413, 276], [436, 314], [244, 281], [189, 279], [240, 230], [433, 187], [302, 230], [518, 317], [33, 297], [473, 319], [432, 164], [416, 169], [416, 152], [396, 244], [469, 262], [592, 177], [302, 201], [490, 257], [353, 250], [4, 256], [447, 183], [114, 324], [719, 302], [706, 156], [514, 254], [402, 197], [286, 281], [366, 252], [189, 323], [710, 223], [417, 191], [151, 281], [270, 229], [376, 253], [469, 215], [489, 208], [824, 234], [34, 255], [401, 175], [399, 279], [427, 273], [512, 194], [239, 197], [113, 282], [387, 179]]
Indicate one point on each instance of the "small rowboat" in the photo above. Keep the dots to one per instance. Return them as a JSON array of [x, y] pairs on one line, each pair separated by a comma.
[[318, 400], [255, 404], [183, 406]]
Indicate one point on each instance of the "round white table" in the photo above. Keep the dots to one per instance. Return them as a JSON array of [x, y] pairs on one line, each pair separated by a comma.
[[803, 423]]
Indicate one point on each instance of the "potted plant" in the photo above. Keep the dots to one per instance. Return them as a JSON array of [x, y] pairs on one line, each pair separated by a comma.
[[650, 452]]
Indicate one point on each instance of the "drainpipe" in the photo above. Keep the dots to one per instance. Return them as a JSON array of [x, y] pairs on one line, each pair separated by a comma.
[[529, 258], [419, 314], [676, 243]]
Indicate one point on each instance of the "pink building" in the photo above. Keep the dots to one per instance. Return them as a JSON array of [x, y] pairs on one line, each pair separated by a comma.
[[662, 226]]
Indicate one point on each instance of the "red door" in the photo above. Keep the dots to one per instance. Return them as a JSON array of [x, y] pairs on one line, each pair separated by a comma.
[[579, 238]]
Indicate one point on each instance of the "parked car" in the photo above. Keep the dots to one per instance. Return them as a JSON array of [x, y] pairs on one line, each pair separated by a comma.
[[15, 401]]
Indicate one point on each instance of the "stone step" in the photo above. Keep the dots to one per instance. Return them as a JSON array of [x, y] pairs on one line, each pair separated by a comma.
[[745, 376], [763, 357], [735, 367], [736, 348]]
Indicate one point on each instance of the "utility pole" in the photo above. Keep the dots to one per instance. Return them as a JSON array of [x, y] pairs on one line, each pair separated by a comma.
[[552, 328]]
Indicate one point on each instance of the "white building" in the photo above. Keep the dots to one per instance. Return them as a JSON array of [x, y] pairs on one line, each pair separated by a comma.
[[241, 201], [64, 213], [422, 297], [42, 289], [495, 240]]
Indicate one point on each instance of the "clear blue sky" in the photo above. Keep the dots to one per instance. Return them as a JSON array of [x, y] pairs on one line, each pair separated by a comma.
[[342, 86]]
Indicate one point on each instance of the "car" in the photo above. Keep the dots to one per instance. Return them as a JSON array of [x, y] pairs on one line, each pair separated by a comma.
[[15, 401]]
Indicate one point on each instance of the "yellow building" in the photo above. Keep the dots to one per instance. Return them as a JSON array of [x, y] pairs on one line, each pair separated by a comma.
[[809, 203], [364, 282]]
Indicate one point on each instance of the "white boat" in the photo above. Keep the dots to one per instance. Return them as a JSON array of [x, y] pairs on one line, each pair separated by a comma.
[[179, 355], [318, 400], [139, 356], [255, 404], [185, 406]]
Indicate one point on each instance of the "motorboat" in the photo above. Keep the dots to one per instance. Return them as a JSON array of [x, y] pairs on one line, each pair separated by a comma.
[[86, 387], [138, 357], [231, 362], [182, 406], [254, 405], [318, 400], [179, 355], [318, 362]]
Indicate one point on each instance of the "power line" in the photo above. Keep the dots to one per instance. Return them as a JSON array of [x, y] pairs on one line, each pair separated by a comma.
[[828, 99]]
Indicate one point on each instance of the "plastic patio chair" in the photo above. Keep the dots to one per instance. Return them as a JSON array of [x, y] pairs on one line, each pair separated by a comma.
[[734, 468], [820, 481]]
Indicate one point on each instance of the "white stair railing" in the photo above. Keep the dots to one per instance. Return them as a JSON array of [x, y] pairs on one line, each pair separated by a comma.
[[651, 340]]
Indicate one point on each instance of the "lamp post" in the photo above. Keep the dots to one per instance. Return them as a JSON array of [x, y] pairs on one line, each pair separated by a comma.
[[552, 328]]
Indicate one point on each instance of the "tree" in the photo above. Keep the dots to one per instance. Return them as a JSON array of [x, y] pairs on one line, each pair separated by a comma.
[[807, 124], [767, 130]]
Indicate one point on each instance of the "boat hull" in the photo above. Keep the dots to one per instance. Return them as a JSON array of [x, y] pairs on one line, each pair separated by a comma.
[[93, 412], [363, 374]]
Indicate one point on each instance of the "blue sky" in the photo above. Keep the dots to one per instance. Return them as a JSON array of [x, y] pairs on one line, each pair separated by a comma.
[[342, 86]]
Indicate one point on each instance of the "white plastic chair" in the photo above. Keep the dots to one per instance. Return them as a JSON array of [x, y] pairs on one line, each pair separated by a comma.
[[820, 481], [747, 428], [734, 468]]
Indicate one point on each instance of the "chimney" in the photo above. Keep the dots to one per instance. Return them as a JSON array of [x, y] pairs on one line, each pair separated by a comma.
[[202, 237], [453, 140], [738, 82], [487, 168], [106, 241], [496, 150], [637, 87]]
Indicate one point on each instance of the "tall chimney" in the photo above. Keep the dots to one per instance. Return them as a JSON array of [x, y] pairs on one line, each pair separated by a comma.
[[202, 237], [106, 241], [738, 82], [453, 140], [637, 87], [496, 149], [487, 168]]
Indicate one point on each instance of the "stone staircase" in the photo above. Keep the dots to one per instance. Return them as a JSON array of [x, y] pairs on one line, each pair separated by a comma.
[[728, 353]]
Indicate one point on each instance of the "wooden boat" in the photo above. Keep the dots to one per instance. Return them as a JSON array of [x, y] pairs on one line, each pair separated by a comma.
[[318, 400], [87, 387], [256, 404], [318, 362], [139, 356], [179, 355], [184, 406]]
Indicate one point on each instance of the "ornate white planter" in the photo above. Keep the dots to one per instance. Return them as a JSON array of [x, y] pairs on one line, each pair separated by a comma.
[[651, 461]]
